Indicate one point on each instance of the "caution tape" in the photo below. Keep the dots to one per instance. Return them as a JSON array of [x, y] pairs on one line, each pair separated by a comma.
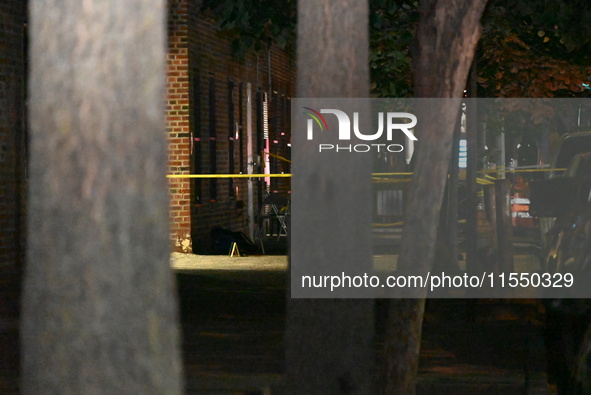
[[379, 225], [390, 180], [276, 156], [285, 175], [392, 174], [503, 170], [227, 175], [483, 181], [377, 176]]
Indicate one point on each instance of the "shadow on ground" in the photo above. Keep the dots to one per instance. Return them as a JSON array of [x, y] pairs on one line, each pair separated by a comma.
[[233, 337]]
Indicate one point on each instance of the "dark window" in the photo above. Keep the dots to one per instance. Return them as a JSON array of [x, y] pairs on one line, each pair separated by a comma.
[[241, 122], [213, 194], [231, 137], [195, 124]]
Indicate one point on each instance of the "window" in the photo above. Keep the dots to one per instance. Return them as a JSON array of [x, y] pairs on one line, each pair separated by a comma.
[[213, 194]]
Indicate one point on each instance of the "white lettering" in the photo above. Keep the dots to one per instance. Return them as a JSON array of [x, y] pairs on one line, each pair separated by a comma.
[[344, 123], [401, 126], [374, 136], [399, 147]]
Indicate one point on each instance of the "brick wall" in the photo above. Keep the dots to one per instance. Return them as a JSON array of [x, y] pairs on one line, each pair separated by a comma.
[[220, 80], [178, 127], [202, 73], [209, 136], [12, 135]]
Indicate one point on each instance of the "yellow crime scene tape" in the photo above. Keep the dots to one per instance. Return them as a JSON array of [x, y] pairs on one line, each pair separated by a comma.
[[276, 156], [378, 177], [259, 175], [287, 175], [380, 225], [509, 170]]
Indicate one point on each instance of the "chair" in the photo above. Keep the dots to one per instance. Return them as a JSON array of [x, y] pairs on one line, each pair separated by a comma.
[[275, 212]]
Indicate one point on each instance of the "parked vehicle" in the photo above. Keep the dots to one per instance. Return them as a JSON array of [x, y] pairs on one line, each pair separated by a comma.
[[571, 144], [568, 315], [565, 198]]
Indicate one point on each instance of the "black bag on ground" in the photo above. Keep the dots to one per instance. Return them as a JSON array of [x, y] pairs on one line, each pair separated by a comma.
[[224, 238]]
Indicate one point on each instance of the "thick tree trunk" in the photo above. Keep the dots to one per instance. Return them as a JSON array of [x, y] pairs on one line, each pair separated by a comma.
[[99, 313], [329, 342], [447, 35]]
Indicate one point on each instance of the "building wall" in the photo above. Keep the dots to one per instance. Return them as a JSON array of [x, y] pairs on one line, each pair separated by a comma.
[[12, 132], [200, 60], [178, 128], [211, 132]]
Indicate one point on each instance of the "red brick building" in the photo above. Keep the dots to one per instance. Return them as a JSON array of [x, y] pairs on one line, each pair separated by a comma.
[[222, 114]]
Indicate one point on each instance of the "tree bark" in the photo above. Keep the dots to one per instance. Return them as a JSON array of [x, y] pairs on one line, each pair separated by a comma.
[[447, 35], [99, 314], [329, 341], [473, 147]]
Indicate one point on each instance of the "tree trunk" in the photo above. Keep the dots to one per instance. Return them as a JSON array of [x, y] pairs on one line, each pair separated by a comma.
[[329, 341], [473, 148], [447, 35], [99, 314]]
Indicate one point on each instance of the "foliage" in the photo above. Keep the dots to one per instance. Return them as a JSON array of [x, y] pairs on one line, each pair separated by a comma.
[[528, 48], [535, 49], [392, 28], [254, 24]]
